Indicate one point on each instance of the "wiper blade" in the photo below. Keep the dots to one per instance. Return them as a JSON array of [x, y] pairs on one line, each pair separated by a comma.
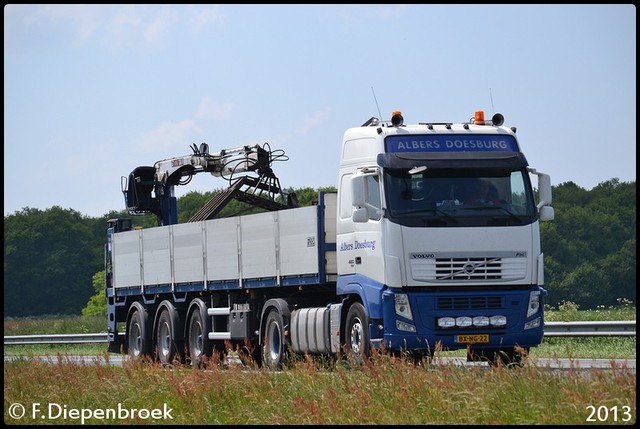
[[499, 207], [440, 212], [429, 210]]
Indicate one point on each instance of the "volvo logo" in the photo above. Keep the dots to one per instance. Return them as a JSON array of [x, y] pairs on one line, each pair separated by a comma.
[[423, 255], [468, 268]]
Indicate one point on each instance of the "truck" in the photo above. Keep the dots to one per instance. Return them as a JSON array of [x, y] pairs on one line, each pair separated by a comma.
[[400, 259]]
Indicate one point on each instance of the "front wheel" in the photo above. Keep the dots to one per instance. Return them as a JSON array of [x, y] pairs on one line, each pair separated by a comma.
[[510, 357], [274, 347], [357, 334]]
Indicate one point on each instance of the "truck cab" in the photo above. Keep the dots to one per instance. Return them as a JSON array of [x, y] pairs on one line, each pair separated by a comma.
[[438, 235]]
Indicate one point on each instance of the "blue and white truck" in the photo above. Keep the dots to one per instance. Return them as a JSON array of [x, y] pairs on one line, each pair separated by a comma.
[[403, 258]]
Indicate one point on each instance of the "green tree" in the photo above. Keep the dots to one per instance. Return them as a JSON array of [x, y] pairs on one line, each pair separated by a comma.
[[590, 246], [49, 258], [97, 305], [190, 203]]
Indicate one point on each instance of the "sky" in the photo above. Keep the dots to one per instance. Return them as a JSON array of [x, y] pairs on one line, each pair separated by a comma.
[[93, 91]]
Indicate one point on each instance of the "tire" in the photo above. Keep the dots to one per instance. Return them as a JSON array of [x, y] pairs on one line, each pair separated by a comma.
[[167, 348], [495, 357], [198, 337], [415, 357], [138, 334], [514, 357], [250, 355], [358, 347], [274, 352]]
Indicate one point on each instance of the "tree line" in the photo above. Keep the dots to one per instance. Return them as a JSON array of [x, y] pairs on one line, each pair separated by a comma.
[[54, 258]]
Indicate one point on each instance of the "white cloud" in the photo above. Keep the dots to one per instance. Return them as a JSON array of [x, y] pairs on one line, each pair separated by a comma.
[[314, 120], [79, 22], [168, 135], [154, 30], [135, 26], [210, 109], [115, 26], [204, 15]]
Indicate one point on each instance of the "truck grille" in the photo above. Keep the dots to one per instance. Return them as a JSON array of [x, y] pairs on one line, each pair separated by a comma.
[[468, 269], [471, 302]]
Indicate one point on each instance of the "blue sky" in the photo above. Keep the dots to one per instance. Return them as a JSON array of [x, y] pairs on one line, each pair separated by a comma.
[[93, 91]]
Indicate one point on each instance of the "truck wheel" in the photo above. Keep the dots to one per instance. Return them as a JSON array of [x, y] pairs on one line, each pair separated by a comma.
[[198, 337], [513, 357], [167, 348], [273, 349], [250, 354], [138, 334], [506, 357], [357, 334]]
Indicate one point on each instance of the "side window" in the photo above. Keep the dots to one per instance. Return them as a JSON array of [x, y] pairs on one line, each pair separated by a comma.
[[345, 197], [373, 197]]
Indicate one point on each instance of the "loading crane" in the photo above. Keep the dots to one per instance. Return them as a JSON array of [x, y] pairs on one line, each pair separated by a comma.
[[150, 189]]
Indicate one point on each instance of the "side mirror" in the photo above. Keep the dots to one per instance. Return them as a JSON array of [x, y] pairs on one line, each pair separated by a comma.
[[544, 189], [358, 191], [546, 213], [360, 215]]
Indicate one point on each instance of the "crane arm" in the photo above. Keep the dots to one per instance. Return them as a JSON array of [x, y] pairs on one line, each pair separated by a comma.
[[225, 163], [150, 189]]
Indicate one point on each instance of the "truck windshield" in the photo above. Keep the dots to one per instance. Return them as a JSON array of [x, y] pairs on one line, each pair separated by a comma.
[[454, 197]]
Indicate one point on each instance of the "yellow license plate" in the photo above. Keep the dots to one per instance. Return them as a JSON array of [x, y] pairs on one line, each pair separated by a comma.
[[475, 338]]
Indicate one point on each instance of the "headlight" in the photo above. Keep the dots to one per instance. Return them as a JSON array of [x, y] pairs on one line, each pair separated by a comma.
[[402, 305], [533, 323], [481, 321], [463, 321], [498, 320], [534, 303], [446, 322], [404, 326]]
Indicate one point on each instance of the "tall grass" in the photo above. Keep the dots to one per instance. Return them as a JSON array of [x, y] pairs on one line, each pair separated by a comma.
[[55, 324], [385, 391]]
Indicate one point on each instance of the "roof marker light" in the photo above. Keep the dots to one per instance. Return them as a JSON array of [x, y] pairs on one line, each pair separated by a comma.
[[396, 118]]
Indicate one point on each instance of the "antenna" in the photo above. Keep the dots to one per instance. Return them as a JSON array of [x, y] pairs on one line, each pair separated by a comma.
[[376, 100], [491, 96]]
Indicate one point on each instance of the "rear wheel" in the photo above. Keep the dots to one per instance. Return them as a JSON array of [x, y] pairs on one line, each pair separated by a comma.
[[274, 347], [250, 355], [138, 334], [168, 348], [198, 336]]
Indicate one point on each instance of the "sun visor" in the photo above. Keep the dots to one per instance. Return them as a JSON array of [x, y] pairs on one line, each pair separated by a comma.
[[507, 160]]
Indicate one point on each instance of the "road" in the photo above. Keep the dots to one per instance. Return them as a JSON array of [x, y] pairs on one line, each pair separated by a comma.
[[551, 363]]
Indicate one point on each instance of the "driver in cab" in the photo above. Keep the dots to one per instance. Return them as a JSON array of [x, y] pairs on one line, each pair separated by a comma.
[[485, 195]]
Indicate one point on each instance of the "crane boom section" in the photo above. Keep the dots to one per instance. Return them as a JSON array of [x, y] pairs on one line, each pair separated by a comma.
[[221, 164]]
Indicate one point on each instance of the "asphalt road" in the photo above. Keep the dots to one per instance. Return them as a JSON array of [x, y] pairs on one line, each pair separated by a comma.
[[551, 363]]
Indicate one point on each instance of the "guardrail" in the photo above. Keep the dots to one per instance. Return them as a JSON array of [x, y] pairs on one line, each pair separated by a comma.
[[55, 339], [625, 328], [621, 328]]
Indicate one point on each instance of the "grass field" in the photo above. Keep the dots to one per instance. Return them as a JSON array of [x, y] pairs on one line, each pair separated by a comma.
[[387, 391]]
